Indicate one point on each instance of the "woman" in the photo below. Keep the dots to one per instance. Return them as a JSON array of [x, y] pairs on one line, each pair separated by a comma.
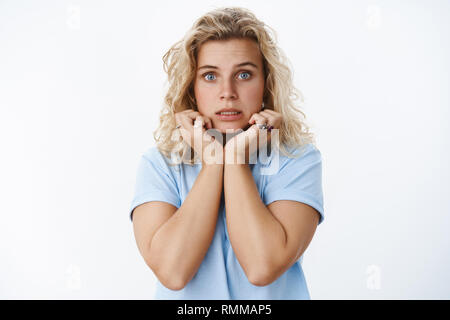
[[221, 223]]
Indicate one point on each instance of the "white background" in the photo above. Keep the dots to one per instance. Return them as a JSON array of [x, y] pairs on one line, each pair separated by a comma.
[[81, 86]]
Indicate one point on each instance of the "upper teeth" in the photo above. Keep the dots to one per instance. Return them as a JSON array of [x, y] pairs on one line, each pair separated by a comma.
[[229, 112]]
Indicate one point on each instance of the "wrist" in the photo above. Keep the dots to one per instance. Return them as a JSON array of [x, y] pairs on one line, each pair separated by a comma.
[[233, 157], [214, 167]]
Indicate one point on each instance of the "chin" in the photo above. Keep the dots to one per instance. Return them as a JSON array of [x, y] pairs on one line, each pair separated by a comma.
[[232, 128], [229, 129]]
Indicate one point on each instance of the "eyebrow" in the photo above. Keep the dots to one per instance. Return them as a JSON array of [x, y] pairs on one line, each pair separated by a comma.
[[247, 63]]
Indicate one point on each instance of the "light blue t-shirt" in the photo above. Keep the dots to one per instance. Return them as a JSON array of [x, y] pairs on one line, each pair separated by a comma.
[[220, 275]]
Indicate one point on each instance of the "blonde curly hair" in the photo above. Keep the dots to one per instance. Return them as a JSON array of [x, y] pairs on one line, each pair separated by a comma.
[[180, 63]]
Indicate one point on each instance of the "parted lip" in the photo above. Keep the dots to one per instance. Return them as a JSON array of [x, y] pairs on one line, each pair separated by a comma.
[[228, 110]]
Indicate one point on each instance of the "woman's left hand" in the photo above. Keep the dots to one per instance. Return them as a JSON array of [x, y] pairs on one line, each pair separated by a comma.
[[245, 144]]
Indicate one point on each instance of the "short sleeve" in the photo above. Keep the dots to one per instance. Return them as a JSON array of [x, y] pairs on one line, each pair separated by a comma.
[[298, 179], [154, 181]]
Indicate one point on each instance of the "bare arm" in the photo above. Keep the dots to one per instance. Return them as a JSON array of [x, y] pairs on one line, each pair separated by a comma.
[[267, 240], [256, 236], [174, 242]]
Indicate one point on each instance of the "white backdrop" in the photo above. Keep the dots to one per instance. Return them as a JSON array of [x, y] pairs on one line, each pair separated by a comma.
[[81, 85]]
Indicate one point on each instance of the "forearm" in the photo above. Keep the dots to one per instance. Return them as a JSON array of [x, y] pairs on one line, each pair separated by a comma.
[[179, 246], [257, 237]]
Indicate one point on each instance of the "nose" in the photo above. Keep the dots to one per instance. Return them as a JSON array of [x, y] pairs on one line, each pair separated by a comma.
[[228, 91]]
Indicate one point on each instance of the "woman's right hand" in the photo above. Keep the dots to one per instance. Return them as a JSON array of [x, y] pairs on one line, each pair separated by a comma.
[[193, 131]]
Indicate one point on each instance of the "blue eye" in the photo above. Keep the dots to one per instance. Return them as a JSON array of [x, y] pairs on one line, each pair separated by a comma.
[[208, 76], [246, 77]]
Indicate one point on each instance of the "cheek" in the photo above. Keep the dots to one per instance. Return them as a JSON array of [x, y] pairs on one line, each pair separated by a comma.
[[205, 99], [253, 97], [201, 91]]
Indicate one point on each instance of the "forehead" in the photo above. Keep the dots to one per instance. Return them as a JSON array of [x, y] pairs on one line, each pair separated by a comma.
[[223, 53]]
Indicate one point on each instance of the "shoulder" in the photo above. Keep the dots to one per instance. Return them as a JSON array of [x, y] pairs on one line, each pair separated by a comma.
[[154, 156], [307, 149], [305, 154], [291, 159]]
